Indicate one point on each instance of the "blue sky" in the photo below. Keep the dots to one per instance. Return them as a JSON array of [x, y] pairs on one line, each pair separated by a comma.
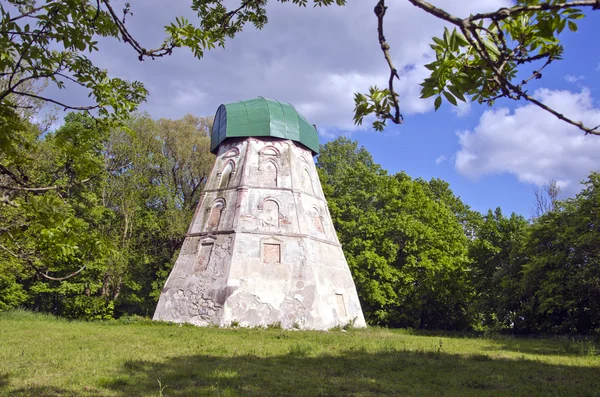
[[316, 59], [415, 145], [425, 145]]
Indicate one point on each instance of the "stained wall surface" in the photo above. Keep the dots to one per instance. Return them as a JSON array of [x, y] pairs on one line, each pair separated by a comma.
[[261, 247]]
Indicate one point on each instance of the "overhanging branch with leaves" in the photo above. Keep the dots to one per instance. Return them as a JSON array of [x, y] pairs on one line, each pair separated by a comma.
[[483, 57]]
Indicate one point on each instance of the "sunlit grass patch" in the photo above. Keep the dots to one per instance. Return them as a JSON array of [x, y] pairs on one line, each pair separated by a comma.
[[43, 356]]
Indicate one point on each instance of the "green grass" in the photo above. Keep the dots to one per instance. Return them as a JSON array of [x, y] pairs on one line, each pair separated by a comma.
[[45, 356]]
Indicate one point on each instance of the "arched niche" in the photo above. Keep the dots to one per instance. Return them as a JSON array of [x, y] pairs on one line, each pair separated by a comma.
[[227, 174], [268, 172], [233, 152], [269, 151], [269, 214], [214, 217], [317, 220], [307, 184]]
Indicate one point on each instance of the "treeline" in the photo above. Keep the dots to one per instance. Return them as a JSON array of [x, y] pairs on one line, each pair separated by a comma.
[[421, 258], [92, 219]]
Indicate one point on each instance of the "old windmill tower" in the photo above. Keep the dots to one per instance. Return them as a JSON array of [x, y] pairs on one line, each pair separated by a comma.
[[261, 247]]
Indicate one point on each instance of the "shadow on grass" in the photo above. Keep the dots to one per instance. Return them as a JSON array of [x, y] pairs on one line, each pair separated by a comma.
[[526, 344], [353, 373], [549, 347], [41, 391], [3, 380]]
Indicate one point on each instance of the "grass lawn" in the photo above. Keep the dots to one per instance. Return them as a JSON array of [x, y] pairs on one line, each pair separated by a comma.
[[44, 356]]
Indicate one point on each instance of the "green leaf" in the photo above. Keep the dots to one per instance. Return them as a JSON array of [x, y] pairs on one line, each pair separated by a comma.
[[492, 49], [431, 66], [450, 98], [440, 42], [438, 102], [427, 92], [572, 26], [456, 92], [447, 37], [561, 25], [461, 39]]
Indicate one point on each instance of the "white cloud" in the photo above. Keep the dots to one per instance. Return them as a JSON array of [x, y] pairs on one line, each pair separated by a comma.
[[186, 96], [440, 159], [333, 99], [532, 144], [574, 79], [313, 58], [463, 109]]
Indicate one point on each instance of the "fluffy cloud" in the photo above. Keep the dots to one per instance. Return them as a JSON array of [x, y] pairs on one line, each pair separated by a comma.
[[533, 144], [440, 159], [463, 109], [574, 79], [314, 58]]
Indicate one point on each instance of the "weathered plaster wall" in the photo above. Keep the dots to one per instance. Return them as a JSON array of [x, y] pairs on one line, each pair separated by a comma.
[[261, 247]]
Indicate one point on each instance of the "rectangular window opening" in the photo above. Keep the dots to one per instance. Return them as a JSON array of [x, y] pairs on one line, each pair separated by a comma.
[[203, 257], [271, 253], [341, 305]]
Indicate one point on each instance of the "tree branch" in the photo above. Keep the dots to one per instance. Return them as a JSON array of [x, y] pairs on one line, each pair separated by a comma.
[[437, 12], [128, 38], [56, 102], [230, 14], [28, 13], [38, 271], [480, 48], [506, 12], [43, 189], [11, 175], [6, 200], [46, 276], [578, 124], [380, 10], [471, 31]]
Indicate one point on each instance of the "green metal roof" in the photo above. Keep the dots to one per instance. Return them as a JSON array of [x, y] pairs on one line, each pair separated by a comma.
[[262, 117]]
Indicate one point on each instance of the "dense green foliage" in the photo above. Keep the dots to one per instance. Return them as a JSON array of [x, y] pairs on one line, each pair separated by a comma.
[[407, 252], [92, 219], [496, 267], [421, 258], [560, 287]]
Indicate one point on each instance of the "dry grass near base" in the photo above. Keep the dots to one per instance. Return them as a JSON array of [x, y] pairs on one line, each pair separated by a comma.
[[44, 356]]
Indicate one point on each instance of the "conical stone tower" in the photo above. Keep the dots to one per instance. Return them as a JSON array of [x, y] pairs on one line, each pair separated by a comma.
[[261, 248]]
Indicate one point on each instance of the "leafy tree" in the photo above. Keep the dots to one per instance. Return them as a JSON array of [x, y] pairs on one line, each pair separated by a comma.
[[92, 217], [405, 241], [49, 233], [160, 169], [561, 277], [439, 190], [496, 268], [407, 251]]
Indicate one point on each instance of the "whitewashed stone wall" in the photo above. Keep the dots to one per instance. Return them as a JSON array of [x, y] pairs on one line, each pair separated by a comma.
[[261, 248]]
